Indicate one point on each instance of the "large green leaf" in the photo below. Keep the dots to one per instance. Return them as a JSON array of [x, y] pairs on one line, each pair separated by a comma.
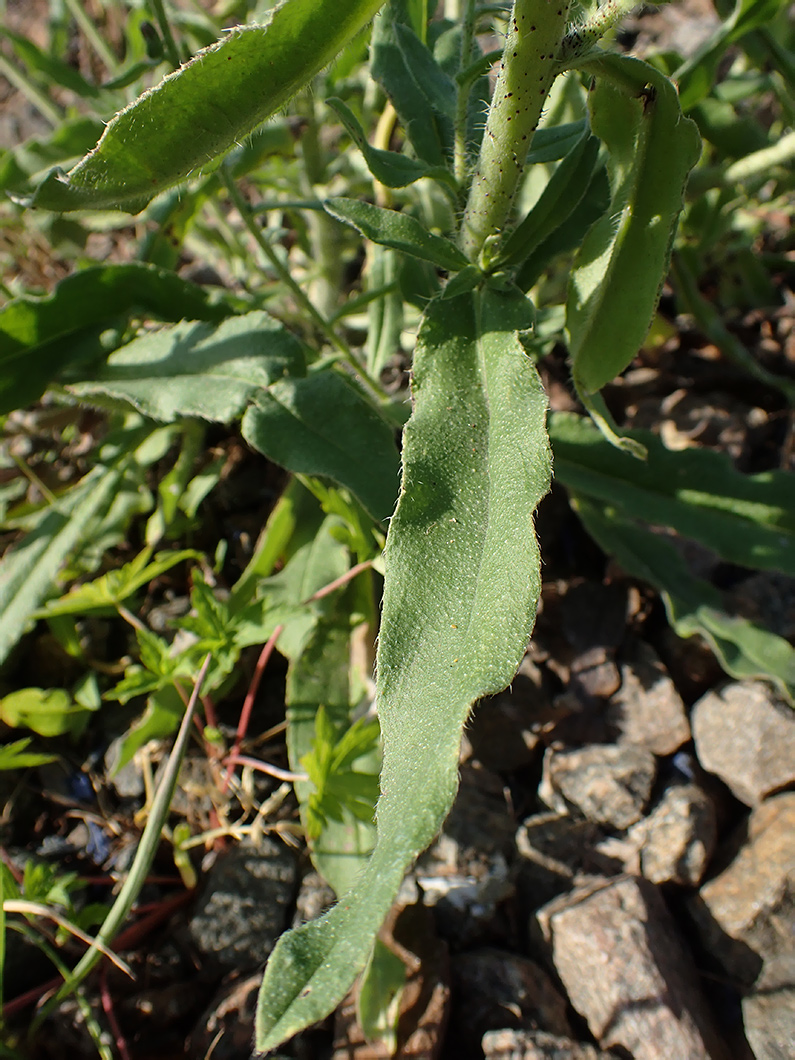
[[461, 587], [204, 108], [41, 337], [746, 519], [195, 369], [321, 425], [694, 606], [622, 263]]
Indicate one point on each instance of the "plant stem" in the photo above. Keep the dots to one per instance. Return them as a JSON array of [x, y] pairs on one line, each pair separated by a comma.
[[93, 36], [31, 92], [343, 349], [464, 92], [528, 68], [159, 11]]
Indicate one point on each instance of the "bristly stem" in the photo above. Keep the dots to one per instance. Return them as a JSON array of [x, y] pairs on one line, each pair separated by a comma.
[[528, 68]]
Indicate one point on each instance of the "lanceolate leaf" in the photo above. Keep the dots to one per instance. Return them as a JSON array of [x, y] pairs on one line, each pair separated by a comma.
[[462, 583], [398, 230], [623, 260], [205, 107], [389, 167], [557, 202], [694, 606], [194, 369], [747, 519], [41, 337]]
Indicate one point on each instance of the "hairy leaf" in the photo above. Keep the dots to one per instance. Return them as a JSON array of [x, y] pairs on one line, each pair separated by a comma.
[[746, 519], [321, 425], [195, 369], [203, 109], [42, 337], [620, 268], [462, 582], [398, 230]]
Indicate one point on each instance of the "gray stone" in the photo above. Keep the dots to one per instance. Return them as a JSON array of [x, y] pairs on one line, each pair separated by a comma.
[[678, 837], [769, 1012], [608, 784], [617, 953], [647, 710], [537, 1045], [493, 990], [244, 904], [746, 914], [557, 852], [746, 735]]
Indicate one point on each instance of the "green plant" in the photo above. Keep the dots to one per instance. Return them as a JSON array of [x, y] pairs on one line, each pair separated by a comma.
[[465, 226]]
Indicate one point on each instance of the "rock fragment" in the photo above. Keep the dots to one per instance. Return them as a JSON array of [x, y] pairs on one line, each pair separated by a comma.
[[746, 735], [647, 710], [537, 1045], [746, 914], [617, 953], [607, 784], [244, 904], [494, 989], [678, 837], [769, 1011]]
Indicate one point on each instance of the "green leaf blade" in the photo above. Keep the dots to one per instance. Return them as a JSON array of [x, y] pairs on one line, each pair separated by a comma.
[[397, 230], [623, 261], [462, 582], [195, 369], [322, 425], [201, 110]]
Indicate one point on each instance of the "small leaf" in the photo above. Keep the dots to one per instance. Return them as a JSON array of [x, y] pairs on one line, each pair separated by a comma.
[[400, 231], [203, 109], [428, 133], [618, 273], [562, 194], [113, 588], [389, 167], [195, 369], [48, 712], [15, 756], [439, 90], [28, 570]]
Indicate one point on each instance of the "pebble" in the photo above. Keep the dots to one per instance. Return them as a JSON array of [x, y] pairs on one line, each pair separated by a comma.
[[556, 852], [494, 989], [606, 783], [244, 904], [769, 1012], [618, 956], [746, 914], [745, 735], [647, 710], [537, 1045], [678, 837]]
